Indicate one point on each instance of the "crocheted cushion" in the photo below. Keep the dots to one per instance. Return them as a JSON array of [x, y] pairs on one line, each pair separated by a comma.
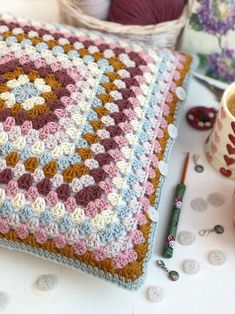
[[84, 122]]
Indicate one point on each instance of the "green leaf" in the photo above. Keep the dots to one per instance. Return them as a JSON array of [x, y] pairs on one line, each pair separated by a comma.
[[195, 23], [216, 76], [212, 75], [203, 60]]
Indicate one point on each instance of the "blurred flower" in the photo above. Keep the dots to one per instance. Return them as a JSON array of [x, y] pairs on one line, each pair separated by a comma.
[[223, 65], [216, 17]]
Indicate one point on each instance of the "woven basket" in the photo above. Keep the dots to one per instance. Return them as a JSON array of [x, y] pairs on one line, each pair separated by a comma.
[[159, 35]]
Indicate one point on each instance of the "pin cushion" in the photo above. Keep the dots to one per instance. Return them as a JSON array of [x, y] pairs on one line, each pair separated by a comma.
[[201, 118], [84, 122]]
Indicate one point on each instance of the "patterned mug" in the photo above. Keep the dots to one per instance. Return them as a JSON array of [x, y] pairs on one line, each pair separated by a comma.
[[233, 207], [220, 146]]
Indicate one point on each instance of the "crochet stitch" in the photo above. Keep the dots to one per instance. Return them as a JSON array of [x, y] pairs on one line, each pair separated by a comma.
[[83, 125]]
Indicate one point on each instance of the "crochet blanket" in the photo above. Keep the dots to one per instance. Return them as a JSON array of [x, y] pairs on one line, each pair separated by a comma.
[[86, 125]]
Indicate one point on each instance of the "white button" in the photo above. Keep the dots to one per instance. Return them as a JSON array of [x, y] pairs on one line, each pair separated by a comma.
[[153, 214], [3, 301], [199, 204], [216, 199], [191, 267], [216, 257], [163, 168], [155, 294], [186, 238], [46, 282], [181, 93], [172, 131]]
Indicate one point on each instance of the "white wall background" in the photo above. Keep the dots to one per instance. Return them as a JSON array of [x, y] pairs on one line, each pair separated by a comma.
[[34, 9]]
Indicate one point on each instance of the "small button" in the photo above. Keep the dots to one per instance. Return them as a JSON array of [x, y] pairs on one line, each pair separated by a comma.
[[3, 301], [46, 282], [172, 130], [163, 168], [199, 204], [155, 294], [186, 238], [181, 93], [216, 199], [216, 257], [153, 214], [191, 267]]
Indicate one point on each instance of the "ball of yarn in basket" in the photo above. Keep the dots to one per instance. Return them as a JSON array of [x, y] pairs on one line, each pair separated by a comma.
[[145, 12], [96, 8]]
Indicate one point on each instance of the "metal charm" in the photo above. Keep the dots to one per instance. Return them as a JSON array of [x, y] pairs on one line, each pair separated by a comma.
[[198, 168], [217, 229], [172, 274]]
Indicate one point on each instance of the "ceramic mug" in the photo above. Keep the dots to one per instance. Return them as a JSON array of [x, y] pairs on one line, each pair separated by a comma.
[[220, 146], [233, 207]]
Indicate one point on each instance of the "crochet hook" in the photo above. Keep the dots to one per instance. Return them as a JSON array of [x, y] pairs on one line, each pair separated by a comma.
[[175, 214]]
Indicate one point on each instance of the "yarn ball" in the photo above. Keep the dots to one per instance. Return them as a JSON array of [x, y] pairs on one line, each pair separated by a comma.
[[96, 8], [139, 12]]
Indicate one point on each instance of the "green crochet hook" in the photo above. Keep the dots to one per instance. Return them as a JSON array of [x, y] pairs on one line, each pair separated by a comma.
[[175, 215]]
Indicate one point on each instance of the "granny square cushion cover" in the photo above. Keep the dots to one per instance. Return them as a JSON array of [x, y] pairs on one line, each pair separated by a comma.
[[86, 126]]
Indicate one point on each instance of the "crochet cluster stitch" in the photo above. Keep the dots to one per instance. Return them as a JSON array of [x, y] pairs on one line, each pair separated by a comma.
[[83, 125]]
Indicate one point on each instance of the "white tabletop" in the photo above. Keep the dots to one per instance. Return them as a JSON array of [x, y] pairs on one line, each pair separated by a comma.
[[211, 291]]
